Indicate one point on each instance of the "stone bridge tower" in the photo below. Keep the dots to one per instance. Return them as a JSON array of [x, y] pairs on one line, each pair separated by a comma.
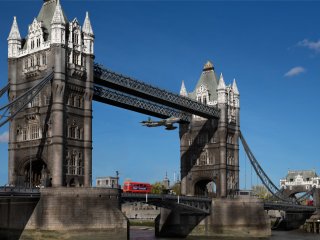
[[50, 142], [209, 149]]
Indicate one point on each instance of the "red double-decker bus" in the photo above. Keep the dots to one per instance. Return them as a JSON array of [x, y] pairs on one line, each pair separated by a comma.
[[136, 187]]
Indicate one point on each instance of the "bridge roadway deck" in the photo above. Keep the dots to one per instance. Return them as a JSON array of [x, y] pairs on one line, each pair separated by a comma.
[[187, 204], [184, 204], [109, 79], [288, 207], [19, 192]]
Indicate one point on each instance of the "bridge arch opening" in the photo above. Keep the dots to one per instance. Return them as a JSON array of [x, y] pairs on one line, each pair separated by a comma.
[[205, 187], [35, 173]]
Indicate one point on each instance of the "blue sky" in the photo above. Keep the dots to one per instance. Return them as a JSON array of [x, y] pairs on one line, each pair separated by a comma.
[[271, 48]]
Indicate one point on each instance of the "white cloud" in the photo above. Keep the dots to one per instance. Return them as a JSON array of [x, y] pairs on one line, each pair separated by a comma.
[[4, 137], [294, 71], [310, 44]]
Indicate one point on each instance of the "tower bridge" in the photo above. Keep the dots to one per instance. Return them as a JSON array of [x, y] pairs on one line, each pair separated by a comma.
[[52, 81]]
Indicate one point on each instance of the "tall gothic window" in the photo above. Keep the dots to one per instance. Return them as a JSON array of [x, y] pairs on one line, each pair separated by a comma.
[[35, 102], [75, 37], [205, 100], [44, 59], [72, 132], [34, 132], [24, 135], [47, 99], [26, 63], [38, 60]]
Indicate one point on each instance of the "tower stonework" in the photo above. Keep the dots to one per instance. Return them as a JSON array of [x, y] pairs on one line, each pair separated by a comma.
[[50, 141], [209, 149]]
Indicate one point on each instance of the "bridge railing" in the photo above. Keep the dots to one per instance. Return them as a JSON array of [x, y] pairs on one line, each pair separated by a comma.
[[9, 191], [201, 205]]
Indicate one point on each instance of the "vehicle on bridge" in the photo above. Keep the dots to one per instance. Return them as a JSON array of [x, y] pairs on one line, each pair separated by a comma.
[[136, 187], [168, 123]]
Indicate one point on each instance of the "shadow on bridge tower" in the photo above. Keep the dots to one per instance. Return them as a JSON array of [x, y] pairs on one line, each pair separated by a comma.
[[50, 142], [209, 149]]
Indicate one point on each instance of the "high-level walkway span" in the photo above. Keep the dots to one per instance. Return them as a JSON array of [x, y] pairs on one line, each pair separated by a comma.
[[119, 90]]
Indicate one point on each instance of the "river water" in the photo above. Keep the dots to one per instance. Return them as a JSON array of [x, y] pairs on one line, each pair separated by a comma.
[[147, 233]]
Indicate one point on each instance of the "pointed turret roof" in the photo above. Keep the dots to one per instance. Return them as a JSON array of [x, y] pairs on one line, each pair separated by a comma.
[[58, 17], [14, 32], [234, 87], [221, 84], [87, 28], [46, 15], [183, 90], [209, 80]]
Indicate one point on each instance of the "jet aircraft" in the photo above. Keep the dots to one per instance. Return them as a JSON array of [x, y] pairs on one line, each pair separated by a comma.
[[168, 123]]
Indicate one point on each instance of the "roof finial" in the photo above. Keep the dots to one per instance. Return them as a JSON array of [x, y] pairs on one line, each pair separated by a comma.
[[208, 66]]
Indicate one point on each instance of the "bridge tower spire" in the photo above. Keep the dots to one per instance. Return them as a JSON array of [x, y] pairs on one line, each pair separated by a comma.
[[54, 132], [183, 90], [14, 40]]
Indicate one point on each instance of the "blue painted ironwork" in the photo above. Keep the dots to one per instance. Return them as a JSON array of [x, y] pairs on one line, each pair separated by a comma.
[[10, 110], [4, 89], [119, 82], [116, 98], [273, 189]]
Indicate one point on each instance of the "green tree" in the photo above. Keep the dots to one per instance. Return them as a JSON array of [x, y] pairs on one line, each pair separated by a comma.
[[157, 188], [176, 188], [261, 191]]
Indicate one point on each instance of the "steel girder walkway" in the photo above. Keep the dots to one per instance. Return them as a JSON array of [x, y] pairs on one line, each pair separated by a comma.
[[119, 90]]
